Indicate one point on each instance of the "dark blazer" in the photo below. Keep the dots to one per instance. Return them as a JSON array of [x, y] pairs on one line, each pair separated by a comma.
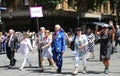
[[13, 43]]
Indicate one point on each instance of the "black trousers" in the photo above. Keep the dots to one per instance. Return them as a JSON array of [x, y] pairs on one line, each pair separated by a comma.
[[10, 54]]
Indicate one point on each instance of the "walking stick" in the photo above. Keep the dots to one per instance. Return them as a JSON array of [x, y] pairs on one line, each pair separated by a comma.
[[39, 53], [39, 45]]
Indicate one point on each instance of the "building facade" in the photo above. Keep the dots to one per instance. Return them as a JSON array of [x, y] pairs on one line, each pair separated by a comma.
[[17, 15]]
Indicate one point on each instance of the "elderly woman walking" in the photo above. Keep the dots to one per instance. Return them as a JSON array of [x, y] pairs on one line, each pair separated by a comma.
[[46, 50], [24, 49], [80, 50]]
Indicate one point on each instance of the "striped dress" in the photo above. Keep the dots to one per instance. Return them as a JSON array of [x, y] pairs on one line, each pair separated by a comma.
[[91, 44]]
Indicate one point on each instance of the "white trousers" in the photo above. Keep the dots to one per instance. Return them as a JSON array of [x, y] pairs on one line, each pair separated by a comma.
[[79, 54], [25, 58]]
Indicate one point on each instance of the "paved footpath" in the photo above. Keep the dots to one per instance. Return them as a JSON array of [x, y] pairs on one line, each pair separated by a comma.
[[94, 66]]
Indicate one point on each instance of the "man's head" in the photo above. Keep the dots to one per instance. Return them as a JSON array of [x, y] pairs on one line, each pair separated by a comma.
[[57, 27], [11, 31], [42, 29]]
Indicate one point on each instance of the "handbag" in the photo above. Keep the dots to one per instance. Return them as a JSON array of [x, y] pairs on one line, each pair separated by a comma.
[[72, 44]]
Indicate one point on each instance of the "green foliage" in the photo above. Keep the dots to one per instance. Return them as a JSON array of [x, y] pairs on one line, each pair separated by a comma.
[[92, 4], [118, 6], [47, 4]]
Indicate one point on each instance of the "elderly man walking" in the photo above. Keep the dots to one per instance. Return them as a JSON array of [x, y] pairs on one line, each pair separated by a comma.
[[11, 47], [41, 36], [58, 47]]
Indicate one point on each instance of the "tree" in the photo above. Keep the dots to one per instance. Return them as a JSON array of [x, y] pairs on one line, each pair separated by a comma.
[[82, 5], [86, 5], [47, 4]]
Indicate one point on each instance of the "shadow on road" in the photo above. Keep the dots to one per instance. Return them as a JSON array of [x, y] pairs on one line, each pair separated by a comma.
[[5, 66], [48, 71], [94, 72]]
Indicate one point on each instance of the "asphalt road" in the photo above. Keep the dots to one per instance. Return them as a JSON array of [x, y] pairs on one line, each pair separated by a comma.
[[94, 66]]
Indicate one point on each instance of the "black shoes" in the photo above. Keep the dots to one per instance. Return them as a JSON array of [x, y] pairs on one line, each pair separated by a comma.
[[41, 69], [58, 71], [11, 67], [115, 51], [30, 65]]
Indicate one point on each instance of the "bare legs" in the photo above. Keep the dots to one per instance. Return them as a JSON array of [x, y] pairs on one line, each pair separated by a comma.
[[106, 62], [89, 54], [43, 62]]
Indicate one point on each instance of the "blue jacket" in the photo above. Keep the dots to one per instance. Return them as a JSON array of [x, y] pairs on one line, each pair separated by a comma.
[[58, 42]]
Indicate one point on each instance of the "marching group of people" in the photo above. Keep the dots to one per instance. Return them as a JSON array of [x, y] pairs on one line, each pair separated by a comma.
[[53, 46]]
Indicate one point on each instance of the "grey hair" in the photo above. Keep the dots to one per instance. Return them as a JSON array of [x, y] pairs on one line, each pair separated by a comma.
[[58, 26], [42, 28], [11, 30]]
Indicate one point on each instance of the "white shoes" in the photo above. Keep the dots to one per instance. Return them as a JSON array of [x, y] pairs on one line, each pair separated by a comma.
[[75, 71], [53, 67], [20, 69], [84, 72]]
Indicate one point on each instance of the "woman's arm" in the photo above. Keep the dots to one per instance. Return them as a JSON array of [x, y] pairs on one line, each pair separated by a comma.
[[67, 37], [29, 44], [85, 42], [113, 36], [112, 33], [97, 32], [113, 29], [48, 44]]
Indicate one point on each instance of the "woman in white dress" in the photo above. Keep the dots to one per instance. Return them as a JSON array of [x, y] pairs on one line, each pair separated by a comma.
[[47, 50], [24, 49]]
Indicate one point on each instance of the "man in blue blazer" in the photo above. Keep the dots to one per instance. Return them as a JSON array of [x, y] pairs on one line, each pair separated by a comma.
[[58, 47]]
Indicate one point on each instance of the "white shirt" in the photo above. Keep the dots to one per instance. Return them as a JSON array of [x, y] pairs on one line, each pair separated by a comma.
[[10, 40], [82, 40], [25, 46]]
